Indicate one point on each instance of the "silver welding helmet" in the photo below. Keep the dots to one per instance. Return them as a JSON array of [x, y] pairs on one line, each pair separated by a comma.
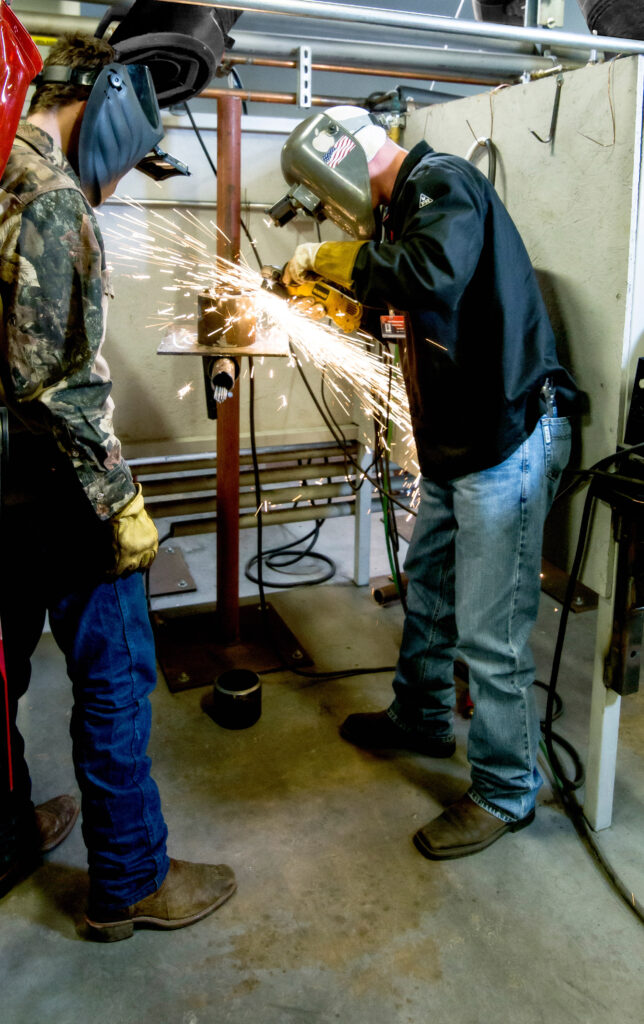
[[121, 124], [326, 161]]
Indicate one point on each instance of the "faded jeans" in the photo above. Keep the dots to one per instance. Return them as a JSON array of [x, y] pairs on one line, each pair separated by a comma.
[[473, 569]]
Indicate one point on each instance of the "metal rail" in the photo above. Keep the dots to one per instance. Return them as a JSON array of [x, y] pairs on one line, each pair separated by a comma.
[[411, 20]]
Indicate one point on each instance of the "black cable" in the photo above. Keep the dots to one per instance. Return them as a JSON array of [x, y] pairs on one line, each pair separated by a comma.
[[258, 489], [391, 526], [345, 443], [566, 783], [558, 703], [564, 786], [197, 132], [342, 673], [240, 85], [272, 554], [338, 440], [584, 475]]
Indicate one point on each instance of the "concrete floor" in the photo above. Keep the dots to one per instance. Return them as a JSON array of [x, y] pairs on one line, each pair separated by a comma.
[[337, 916]]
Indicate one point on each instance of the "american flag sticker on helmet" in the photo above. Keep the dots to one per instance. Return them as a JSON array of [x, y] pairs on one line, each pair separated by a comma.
[[338, 151]]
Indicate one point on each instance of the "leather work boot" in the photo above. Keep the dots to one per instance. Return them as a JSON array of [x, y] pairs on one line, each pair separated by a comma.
[[52, 822], [375, 730], [462, 829], [188, 893]]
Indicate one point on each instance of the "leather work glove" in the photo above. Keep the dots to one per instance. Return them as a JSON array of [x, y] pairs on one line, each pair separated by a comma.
[[300, 263], [334, 261], [135, 540]]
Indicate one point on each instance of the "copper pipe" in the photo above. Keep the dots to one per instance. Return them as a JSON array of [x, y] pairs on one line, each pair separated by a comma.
[[275, 97], [229, 109], [430, 75]]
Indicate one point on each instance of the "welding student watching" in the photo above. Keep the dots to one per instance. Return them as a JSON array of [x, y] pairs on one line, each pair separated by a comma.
[[75, 533], [488, 397]]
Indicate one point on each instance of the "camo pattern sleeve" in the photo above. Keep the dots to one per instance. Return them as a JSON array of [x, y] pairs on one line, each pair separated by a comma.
[[53, 284]]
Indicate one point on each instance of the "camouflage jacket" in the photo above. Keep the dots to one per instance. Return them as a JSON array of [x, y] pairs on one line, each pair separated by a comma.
[[53, 292]]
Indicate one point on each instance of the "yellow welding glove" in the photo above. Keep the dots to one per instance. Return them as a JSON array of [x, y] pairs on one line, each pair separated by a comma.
[[334, 261], [135, 540]]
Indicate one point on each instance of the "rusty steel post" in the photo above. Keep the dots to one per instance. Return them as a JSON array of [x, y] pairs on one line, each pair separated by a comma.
[[229, 109]]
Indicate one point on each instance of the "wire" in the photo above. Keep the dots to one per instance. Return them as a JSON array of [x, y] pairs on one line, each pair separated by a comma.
[[197, 132], [342, 443], [240, 85], [258, 489], [278, 558], [271, 560], [584, 475], [564, 785]]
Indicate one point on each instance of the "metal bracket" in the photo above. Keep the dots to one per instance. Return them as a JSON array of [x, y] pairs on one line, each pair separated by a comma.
[[555, 114], [550, 13], [304, 77], [622, 663]]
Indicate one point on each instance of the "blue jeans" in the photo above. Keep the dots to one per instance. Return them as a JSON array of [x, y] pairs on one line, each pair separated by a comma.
[[52, 556], [473, 569]]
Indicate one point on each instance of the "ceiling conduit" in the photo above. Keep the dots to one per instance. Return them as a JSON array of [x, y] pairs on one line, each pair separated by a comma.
[[411, 20]]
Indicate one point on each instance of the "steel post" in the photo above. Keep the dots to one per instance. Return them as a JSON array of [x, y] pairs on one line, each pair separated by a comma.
[[229, 110]]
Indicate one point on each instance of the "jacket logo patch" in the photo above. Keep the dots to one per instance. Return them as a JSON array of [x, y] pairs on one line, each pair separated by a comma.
[[424, 201]]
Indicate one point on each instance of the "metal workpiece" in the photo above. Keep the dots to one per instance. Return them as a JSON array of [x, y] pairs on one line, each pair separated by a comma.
[[227, 320], [223, 373], [410, 20]]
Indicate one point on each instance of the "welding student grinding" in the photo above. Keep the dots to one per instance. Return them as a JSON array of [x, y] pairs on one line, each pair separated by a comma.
[[75, 533], [488, 400]]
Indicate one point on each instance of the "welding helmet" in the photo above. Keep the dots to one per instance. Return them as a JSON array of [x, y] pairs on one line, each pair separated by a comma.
[[19, 62], [326, 161], [121, 123]]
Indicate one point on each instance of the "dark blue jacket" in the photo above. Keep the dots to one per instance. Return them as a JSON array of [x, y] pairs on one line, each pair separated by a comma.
[[479, 342]]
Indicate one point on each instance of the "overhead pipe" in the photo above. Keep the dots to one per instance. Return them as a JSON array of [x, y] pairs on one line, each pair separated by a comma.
[[48, 24], [340, 55], [411, 20], [253, 96]]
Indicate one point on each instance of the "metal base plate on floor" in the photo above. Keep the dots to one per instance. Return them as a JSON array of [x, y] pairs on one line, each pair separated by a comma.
[[169, 573], [190, 655]]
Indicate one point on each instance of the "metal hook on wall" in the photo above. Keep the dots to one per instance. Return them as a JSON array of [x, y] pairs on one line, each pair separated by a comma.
[[555, 113]]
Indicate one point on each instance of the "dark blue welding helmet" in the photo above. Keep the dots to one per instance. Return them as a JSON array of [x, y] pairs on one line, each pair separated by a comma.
[[121, 124]]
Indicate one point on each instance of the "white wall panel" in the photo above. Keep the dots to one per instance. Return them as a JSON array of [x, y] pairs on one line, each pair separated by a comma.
[[576, 206]]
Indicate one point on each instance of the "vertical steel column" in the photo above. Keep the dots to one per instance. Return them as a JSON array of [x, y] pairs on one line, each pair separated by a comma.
[[229, 110]]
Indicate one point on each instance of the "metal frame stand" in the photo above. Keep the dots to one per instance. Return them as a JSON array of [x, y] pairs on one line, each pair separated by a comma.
[[193, 649]]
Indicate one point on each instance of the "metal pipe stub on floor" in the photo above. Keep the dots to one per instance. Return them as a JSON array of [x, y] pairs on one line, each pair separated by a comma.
[[236, 699]]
